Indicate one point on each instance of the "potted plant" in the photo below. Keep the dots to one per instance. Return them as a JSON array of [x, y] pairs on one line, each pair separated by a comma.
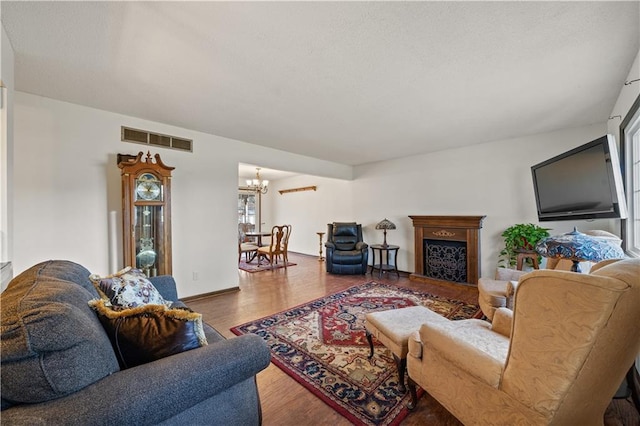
[[518, 238]]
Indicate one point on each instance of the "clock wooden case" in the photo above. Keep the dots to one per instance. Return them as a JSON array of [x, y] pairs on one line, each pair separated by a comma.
[[146, 213]]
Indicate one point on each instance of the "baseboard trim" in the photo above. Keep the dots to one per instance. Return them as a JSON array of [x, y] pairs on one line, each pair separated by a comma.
[[212, 293]]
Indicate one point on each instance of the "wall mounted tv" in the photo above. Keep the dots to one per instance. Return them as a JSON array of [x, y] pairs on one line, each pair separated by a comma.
[[583, 183]]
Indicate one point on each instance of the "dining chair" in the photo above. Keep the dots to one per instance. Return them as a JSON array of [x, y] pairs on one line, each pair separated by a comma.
[[285, 245], [249, 249], [278, 245], [246, 228]]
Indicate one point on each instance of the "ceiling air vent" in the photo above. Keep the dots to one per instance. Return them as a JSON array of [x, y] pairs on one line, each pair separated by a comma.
[[156, 139]]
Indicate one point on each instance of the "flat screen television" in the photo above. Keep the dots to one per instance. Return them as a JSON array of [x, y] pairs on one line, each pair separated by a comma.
[[583, 183]]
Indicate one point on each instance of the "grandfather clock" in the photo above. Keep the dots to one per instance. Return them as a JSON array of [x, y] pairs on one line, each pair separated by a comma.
[[146, 213]]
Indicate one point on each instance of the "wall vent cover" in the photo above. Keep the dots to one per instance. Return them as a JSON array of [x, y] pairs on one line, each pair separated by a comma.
[[155, 139]]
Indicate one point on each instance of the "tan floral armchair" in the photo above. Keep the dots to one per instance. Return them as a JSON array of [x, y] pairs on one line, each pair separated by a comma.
[[557, 358]]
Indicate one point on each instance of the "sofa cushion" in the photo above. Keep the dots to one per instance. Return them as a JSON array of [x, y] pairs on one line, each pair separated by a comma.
[[128, 288], [52, 342], [149, 332]]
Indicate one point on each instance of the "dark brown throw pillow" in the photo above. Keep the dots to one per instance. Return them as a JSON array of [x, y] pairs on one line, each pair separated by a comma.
[[149, 332]]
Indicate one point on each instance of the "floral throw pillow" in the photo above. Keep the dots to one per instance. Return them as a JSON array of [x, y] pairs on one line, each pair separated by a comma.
[[128, 288]]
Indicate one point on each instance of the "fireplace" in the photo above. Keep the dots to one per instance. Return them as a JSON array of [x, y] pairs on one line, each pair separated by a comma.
[[447, 248], [445, 260]]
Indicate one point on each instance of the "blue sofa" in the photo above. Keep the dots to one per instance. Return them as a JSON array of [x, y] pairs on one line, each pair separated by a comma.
[[58, 365]]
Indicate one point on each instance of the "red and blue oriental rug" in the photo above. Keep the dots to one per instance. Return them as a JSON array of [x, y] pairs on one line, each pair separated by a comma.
[[322, 344]]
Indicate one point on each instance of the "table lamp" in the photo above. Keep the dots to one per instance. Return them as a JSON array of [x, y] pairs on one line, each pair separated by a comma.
[[578, 247], [384, 225]]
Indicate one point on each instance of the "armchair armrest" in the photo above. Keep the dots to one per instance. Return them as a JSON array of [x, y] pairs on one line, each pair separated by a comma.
[[512, 286], [502, 320], [361, 245], [415, 345], [151, 393], [505, 274]]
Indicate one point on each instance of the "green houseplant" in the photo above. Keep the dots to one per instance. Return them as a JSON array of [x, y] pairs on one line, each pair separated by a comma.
[[518, 238]]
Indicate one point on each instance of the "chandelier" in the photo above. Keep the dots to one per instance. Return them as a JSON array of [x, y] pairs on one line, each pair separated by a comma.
[[258, 184]]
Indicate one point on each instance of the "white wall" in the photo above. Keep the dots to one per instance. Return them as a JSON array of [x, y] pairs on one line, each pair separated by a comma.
[[309, 212], [492, 179], [6, 147], [628, 95], [67, 182]]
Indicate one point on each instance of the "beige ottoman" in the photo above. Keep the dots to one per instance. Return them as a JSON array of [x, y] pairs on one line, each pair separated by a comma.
[[392, 328]]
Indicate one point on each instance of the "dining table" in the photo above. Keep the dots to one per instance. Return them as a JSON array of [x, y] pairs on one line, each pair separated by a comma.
[[258, 236]]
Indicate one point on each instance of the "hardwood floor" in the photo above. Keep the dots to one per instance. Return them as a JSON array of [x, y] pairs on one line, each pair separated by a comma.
[[284, 401]]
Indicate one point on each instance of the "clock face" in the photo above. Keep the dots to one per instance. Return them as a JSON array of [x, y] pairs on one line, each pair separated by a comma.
[[148, 188]]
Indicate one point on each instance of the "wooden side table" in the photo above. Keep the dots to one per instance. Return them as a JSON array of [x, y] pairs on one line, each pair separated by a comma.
[[385, 265], [527, 255]]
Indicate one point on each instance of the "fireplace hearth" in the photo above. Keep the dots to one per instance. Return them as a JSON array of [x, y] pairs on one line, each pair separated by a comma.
[[447, 248]]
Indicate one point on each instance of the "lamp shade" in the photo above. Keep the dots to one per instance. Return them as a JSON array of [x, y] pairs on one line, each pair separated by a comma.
[[384, 225], [578, 247]]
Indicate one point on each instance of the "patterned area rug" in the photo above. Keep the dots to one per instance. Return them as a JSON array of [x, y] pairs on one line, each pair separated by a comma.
[[254, 267], [322, 344]]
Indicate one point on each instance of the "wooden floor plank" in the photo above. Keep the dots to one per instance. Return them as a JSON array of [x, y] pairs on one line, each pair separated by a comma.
[[286, 402]]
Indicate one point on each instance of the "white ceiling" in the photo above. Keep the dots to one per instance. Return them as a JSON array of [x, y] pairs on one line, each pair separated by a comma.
[[350, 82], [248, 171]]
